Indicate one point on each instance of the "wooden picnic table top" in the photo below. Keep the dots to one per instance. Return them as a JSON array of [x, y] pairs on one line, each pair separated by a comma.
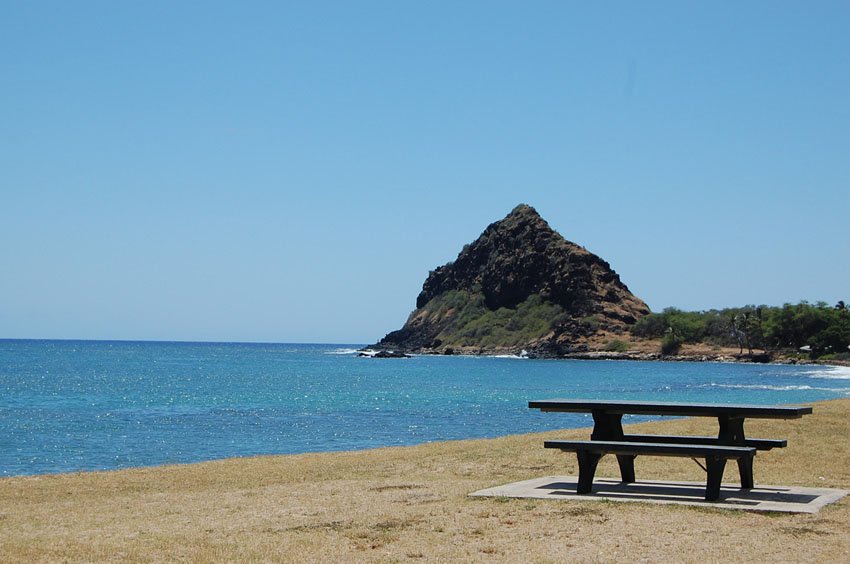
[[672, 408]]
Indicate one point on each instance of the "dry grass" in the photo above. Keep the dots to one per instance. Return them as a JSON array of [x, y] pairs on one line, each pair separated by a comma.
[[411, 504]]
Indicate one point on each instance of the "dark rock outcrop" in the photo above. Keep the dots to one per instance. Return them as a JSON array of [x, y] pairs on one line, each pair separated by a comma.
[[498, 292]]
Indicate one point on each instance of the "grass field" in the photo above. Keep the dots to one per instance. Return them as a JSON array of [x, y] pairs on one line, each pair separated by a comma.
[[411, 503]]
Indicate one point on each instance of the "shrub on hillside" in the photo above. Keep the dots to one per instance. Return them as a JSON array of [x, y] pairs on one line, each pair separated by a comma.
[[670, 345], [616, 346]]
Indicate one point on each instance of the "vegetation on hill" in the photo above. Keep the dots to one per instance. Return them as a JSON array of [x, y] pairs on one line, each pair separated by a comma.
[[472, 324], [824, 330]]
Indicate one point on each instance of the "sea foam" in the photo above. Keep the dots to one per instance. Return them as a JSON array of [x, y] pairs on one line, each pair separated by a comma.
[[829, 372], [344, 351]]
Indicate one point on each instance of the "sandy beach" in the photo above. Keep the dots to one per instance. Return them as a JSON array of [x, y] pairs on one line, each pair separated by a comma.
[[412, 503]]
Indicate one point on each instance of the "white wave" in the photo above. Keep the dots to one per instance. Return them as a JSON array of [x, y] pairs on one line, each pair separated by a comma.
[[522, 355], [829, 372], [789, 388], [766, 387], [345, 351]]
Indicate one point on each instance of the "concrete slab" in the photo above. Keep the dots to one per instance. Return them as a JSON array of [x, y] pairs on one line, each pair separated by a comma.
[[788, 499]]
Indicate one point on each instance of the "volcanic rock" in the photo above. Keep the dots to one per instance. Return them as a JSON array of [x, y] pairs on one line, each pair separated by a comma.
[[520, 285]]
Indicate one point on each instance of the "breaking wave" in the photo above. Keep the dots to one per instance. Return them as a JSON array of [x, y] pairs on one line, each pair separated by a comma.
[[515, 356], [343, 351], [774, 388], [828, 372]]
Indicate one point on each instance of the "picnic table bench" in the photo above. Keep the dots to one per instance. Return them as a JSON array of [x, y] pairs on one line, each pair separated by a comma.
[[608, 437]]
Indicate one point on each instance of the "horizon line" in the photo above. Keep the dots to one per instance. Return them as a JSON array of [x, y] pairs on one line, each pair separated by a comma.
[[178, 341]]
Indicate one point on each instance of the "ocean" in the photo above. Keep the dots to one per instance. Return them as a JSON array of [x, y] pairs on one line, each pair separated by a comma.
[[98, 405]]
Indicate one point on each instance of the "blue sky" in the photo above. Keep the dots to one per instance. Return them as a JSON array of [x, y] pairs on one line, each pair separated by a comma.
[[291, 171]]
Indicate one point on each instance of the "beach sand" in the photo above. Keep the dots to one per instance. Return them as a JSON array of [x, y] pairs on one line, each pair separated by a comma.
[[412, 503]]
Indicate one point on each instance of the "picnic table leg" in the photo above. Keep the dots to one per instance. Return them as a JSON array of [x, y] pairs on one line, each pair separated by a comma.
[[715, 466], [587, 462], [627, 468], [609, 427], [732, 433]]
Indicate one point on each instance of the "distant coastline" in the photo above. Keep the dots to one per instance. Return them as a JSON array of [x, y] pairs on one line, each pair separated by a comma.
[[636, 356], [658, 357], [354, 348], [521, 288]]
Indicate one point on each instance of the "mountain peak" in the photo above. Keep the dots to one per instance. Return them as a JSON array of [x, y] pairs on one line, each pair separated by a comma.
[[525, 215], [523, 209], [509, 260]]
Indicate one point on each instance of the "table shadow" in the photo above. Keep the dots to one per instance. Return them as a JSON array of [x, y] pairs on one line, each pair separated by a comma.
[[665, 491]]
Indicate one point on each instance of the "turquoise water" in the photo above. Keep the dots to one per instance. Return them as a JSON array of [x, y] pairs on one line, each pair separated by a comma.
[[87, 405]]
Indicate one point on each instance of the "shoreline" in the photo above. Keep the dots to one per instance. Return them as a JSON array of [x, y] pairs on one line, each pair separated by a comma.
[[413, 504], [661, 420], [637, 356]]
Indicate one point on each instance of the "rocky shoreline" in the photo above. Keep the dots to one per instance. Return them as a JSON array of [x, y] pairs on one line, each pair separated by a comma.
[[647, 356], [756, 358]]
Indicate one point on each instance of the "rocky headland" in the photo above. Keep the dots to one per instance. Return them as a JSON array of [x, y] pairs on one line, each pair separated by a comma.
[[519, 287]]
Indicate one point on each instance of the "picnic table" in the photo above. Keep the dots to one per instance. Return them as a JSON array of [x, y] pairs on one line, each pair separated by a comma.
[[608, 437]]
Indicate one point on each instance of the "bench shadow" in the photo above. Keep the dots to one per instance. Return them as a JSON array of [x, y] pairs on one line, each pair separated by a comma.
[[672, 492]]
